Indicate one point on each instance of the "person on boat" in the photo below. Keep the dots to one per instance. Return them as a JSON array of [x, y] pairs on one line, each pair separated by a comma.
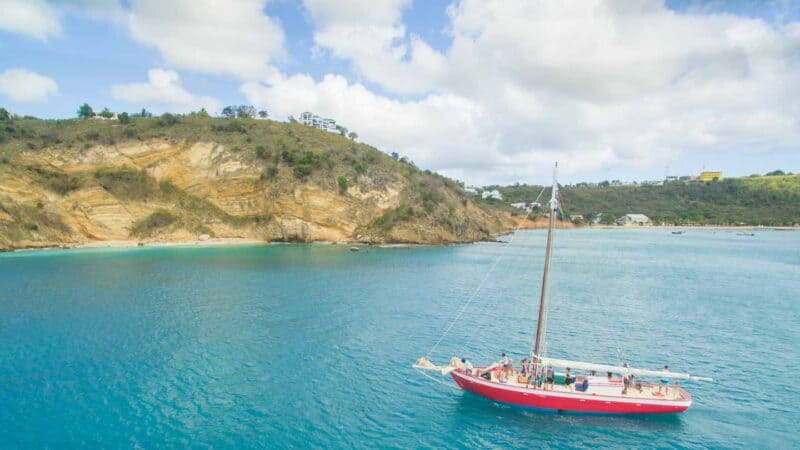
[[525, 369], [505, 361], [568, 379], [664, 382], [524, 372], [609, 375], [549, 378], [508, 365], [468, 367], [502, 377], [626, 379]]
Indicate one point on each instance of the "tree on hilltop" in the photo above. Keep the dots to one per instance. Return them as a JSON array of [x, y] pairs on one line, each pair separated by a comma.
[[352, 135], [263, 114], [229, 112], [245, 112], [4, 114], [85, 111], [106, 113]]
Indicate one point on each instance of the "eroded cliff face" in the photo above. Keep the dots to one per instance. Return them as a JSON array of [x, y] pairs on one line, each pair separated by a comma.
[[177, 191]]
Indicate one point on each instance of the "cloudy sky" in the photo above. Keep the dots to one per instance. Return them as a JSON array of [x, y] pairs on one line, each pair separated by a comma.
[[484, 91]]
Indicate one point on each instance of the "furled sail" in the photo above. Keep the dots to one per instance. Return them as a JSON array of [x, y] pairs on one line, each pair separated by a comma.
[[563, 363], [425, 364]]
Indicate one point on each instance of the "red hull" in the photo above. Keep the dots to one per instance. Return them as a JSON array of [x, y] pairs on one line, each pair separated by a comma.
[[569, 401]]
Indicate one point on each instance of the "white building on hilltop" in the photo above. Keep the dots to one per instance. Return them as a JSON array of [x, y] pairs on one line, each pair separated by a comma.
[[495, 194], [529, 207], [313, 120], [633, 219]]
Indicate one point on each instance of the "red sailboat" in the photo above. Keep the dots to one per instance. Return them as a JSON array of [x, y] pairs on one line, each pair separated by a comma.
[[616, 390]]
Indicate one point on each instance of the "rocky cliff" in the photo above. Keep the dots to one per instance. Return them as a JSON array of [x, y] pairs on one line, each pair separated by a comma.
[[77, 182]]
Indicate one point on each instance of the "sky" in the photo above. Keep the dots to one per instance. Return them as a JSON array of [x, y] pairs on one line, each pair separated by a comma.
[[485, 91]]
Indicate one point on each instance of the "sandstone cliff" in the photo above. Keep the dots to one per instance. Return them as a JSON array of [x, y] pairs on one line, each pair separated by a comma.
[[72, 182]]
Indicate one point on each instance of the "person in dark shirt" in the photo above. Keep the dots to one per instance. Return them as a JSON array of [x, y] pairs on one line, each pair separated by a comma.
[[568, 378]]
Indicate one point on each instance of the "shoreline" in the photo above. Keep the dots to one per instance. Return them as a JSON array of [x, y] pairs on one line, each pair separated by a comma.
[[231, 242]]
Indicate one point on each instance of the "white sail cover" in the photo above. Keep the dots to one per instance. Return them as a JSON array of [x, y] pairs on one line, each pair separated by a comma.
[[563, 363]]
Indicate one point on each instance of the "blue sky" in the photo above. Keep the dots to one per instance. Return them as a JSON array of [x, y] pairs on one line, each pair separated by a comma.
[[487, 92]]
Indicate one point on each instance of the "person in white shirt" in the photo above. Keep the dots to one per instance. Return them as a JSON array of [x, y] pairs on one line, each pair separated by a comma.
[[504, 360], [469, 369]]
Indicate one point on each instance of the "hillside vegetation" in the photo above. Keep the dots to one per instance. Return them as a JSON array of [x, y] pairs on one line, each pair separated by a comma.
[[756, 200], [177, 178]]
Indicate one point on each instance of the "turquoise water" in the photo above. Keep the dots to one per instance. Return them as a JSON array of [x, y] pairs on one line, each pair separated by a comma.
[[311, 345]]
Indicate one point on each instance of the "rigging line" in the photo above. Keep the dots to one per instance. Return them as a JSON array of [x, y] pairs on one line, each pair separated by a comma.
[[480, 285], [427, 375]]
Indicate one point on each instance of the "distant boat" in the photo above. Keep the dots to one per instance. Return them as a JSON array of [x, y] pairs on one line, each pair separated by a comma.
[[678, 232], [355, 249], [606, 389], [745, 233]]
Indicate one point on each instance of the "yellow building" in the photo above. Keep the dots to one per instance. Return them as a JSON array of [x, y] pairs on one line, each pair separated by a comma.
[[710, 176]]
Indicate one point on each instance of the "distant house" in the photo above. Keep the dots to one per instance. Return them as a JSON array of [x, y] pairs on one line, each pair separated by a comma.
[[576, 217], [524, 206], [470, 190], [528, 207], [313, 120], [634, 219], [99, 117], [711, 175], [495, 194]]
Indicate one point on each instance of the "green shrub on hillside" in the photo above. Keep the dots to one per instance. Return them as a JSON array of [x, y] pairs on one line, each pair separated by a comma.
[[57, 181], [158, 219], [233, 126], [270, 172], [388, 219], [261, 152], [126, 183], [130, 133], [167, 120], [302, 170]]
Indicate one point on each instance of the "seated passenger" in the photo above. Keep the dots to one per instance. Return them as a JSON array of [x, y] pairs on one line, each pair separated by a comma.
[[468, 368], [502, 377]]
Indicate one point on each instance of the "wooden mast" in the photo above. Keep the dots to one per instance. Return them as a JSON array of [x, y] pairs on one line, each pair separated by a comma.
[[541, 326]]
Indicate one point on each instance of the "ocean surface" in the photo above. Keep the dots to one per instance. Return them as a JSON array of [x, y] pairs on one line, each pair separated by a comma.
[[312, 345]]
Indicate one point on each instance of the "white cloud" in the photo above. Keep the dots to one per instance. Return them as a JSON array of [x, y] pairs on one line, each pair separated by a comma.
[[22, 85], [371, 35], [597, 85], [232, 38], [34, 18], [163, 92]]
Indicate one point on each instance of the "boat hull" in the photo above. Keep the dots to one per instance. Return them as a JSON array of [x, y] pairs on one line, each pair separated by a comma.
[[568, 401]]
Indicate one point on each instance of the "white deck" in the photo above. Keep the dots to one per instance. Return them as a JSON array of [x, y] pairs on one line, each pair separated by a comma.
[[600, 385]]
